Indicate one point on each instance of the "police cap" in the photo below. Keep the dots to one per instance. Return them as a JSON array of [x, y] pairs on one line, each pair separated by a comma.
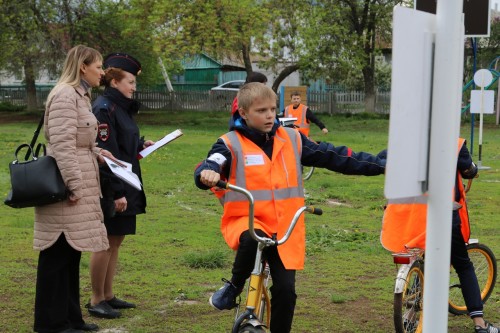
[[123, 61]]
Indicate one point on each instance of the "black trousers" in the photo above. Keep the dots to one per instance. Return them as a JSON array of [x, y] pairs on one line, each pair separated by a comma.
[[57, 300], [465, 270], [283, 296]]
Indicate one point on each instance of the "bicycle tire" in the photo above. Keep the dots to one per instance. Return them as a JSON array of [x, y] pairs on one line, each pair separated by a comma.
[[408, 304], [252, 329], [307, 172], [485, 265]]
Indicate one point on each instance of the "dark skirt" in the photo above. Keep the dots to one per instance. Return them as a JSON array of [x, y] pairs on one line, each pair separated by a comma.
[[120, 225]]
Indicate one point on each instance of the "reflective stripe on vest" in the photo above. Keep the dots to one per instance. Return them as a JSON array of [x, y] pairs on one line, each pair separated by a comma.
[[277, 186], [301, 114], [240, 180]]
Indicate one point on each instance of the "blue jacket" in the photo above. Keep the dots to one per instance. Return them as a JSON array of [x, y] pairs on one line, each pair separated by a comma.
[[318, 154]]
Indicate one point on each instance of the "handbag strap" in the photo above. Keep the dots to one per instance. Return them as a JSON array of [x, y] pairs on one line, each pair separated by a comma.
[[33, 140], [37, 150], [28, 154]]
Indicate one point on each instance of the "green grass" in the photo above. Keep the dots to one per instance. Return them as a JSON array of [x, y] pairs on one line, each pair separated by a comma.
[[178, 256]]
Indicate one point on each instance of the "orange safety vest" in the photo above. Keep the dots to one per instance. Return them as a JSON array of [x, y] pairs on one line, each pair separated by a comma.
[[276, 186], [404, 221], [299, 113]]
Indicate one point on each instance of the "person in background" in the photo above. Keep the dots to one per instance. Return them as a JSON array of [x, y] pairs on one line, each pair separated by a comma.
[[118, 132], [252, 77], [303, 114], [64, 229], [266, 158]]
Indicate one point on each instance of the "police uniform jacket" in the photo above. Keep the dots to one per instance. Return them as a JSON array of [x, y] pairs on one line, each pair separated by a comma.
[[119, 133]]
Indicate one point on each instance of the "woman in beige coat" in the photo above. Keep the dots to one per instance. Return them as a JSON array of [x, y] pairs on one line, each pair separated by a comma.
[[64, 229]]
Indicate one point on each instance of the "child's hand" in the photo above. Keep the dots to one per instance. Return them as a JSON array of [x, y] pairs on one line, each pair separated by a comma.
[[209, 177], [324, 130]]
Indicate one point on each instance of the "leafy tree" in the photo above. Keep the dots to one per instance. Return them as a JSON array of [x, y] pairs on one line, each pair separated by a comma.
[[360, 26], [25, 30], [36, 34], [221, 28]]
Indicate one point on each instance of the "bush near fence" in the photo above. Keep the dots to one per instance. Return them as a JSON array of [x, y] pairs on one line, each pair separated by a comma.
[[320, 102]]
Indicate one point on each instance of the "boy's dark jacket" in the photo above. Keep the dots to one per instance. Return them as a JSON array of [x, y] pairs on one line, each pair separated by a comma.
[[318, 154]]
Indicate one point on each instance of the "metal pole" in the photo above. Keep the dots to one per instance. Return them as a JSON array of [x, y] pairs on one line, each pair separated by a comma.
[[445, 123], [472, 116]]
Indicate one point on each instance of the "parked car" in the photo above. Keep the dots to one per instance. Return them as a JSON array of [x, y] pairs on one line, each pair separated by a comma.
[[229, 86]]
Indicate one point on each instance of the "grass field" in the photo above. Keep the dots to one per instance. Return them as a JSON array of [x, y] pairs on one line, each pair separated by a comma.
[[178, 256]]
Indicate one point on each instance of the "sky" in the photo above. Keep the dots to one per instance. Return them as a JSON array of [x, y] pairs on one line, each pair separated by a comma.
[[493, 2]]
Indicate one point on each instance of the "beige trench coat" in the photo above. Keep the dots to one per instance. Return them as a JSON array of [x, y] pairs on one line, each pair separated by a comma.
[[70, 129]]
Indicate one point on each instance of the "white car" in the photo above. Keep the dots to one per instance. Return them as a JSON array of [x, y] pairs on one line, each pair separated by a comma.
[[229, 86]]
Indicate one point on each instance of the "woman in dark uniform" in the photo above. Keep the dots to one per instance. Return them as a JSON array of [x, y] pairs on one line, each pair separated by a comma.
[[118, 133]]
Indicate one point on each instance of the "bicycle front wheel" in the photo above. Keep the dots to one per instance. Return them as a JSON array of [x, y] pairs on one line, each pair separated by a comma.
[[408, 304], [307, 172], [485, 266]]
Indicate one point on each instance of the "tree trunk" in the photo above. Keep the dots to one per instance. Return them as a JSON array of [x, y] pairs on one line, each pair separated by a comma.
[[368, 75], [246, 59], [283, 74], [29, 74]]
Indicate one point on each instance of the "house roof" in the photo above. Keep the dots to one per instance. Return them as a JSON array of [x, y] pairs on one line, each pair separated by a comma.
[[204, 61]]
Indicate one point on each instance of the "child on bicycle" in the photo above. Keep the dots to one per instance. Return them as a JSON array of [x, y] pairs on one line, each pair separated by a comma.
[[265, 158], [303, 114], [459, 236]]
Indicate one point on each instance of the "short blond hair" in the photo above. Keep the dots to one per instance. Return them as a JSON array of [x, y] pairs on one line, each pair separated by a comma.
[[251, 91]]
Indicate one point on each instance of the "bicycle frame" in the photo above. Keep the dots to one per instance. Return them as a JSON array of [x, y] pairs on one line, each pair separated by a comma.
[[258, 302]]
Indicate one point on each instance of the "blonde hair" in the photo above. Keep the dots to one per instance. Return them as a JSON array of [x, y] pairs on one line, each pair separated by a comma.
[[71, 74], [251, 91]]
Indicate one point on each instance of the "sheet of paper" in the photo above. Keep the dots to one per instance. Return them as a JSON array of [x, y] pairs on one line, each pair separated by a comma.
[[121, 172], [158, 144], [121, 163]]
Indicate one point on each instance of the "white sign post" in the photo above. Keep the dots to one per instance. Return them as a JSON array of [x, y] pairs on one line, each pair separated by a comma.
[[482, 101], [445, 127], [427, 88]]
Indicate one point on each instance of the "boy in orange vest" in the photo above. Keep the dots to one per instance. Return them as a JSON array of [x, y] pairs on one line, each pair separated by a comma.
[[396, 239], [266, 159], [303, 114]]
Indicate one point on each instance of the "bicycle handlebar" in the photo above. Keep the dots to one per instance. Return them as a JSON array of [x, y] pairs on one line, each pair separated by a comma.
[[266, 240], [469, 184]]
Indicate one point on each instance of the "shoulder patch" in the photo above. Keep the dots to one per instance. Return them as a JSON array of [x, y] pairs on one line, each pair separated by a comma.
[[103, 132]]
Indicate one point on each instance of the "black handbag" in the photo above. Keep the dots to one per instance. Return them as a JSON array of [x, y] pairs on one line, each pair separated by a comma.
[[36, 181]]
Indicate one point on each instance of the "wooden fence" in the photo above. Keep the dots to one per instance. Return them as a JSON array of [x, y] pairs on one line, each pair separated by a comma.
[[319, 102]]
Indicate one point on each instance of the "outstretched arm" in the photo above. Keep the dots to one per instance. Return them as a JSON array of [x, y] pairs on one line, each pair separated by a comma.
[[341, 159]]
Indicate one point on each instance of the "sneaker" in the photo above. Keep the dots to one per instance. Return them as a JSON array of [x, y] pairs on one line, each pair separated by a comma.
[[225, 297], [489, 329]]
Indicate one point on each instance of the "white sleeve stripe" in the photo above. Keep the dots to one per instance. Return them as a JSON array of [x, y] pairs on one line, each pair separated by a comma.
[[217, 158]]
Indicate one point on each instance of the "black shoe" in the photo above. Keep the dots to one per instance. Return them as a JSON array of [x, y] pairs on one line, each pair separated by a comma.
[[72, 330], [87, 327], [225, 297], [103, 310], [117, 303]]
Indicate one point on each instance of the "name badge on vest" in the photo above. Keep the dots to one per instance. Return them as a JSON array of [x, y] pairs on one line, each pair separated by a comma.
[[254, 160]]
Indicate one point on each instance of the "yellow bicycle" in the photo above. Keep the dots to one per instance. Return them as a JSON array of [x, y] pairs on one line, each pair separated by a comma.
[[409, 286], [256, 314]]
